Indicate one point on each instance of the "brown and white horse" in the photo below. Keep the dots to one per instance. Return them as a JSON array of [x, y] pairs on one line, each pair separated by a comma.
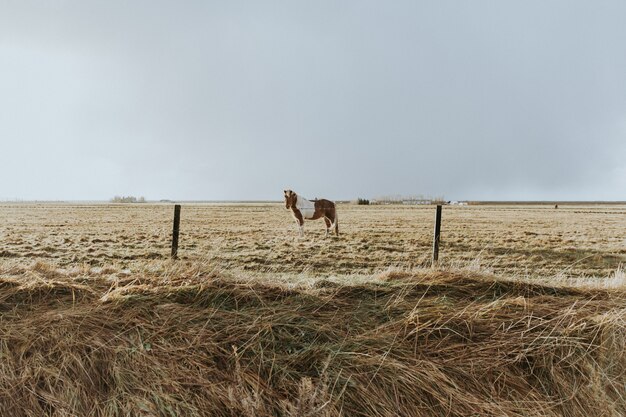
[[311, 210]]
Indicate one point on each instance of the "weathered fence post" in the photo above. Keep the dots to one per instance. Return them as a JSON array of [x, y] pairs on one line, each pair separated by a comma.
[[175, 231], [437, 235]]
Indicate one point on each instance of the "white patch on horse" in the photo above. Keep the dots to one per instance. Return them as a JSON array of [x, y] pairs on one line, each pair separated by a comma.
[[306, 207]]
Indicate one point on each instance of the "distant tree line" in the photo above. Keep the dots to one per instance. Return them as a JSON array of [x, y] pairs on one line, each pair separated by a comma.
[[414, 199], [362, 202], [127, 199]]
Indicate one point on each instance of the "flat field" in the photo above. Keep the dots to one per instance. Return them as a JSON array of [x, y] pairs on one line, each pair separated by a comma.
[[526, 315], [517, 240]]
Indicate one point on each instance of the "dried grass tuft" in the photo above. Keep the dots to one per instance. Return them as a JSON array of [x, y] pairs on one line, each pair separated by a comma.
[[188, 340]]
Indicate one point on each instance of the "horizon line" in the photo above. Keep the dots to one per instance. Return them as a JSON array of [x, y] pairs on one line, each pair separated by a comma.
[[172, 201]]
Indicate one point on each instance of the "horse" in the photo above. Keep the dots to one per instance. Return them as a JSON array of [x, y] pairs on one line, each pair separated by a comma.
[[311, 210]]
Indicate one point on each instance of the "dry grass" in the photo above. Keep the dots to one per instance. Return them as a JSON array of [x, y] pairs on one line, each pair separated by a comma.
[[252, 321], [538, 241], [186, 339]]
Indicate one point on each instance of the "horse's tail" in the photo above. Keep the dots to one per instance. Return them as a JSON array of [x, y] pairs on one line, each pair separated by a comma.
[[336, 223]]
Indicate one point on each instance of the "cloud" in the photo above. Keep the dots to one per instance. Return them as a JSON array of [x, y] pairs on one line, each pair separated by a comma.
[[238, 100]]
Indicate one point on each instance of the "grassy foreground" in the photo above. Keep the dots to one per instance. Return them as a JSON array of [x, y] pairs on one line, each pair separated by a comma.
[[186, 340]]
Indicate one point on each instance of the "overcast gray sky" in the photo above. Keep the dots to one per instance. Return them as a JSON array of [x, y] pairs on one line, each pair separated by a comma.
[[337, 99]]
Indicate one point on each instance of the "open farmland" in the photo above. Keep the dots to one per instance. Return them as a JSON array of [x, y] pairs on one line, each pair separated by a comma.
[[573, 241], [526, 315]]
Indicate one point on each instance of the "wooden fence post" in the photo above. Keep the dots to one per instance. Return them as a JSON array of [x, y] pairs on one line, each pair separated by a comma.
[[175, 231], [437, 236]]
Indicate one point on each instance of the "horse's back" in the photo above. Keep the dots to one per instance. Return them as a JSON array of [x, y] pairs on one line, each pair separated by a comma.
[[324, 204]]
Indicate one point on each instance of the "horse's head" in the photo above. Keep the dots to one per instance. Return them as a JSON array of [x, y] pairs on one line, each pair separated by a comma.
[[290, 199]]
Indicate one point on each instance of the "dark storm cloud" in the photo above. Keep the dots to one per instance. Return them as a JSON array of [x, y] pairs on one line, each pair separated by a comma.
[[238, 100]]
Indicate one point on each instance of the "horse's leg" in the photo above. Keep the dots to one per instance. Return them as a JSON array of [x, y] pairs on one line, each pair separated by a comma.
[[300, 225], [328, 224], [299, 221], [331, 214]]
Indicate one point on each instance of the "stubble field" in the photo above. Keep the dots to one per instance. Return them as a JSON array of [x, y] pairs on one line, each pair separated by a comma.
[[527, 241]]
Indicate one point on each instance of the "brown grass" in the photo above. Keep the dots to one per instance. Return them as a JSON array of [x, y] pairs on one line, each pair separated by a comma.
[[525, 315], [187, 339], [537, 241]]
